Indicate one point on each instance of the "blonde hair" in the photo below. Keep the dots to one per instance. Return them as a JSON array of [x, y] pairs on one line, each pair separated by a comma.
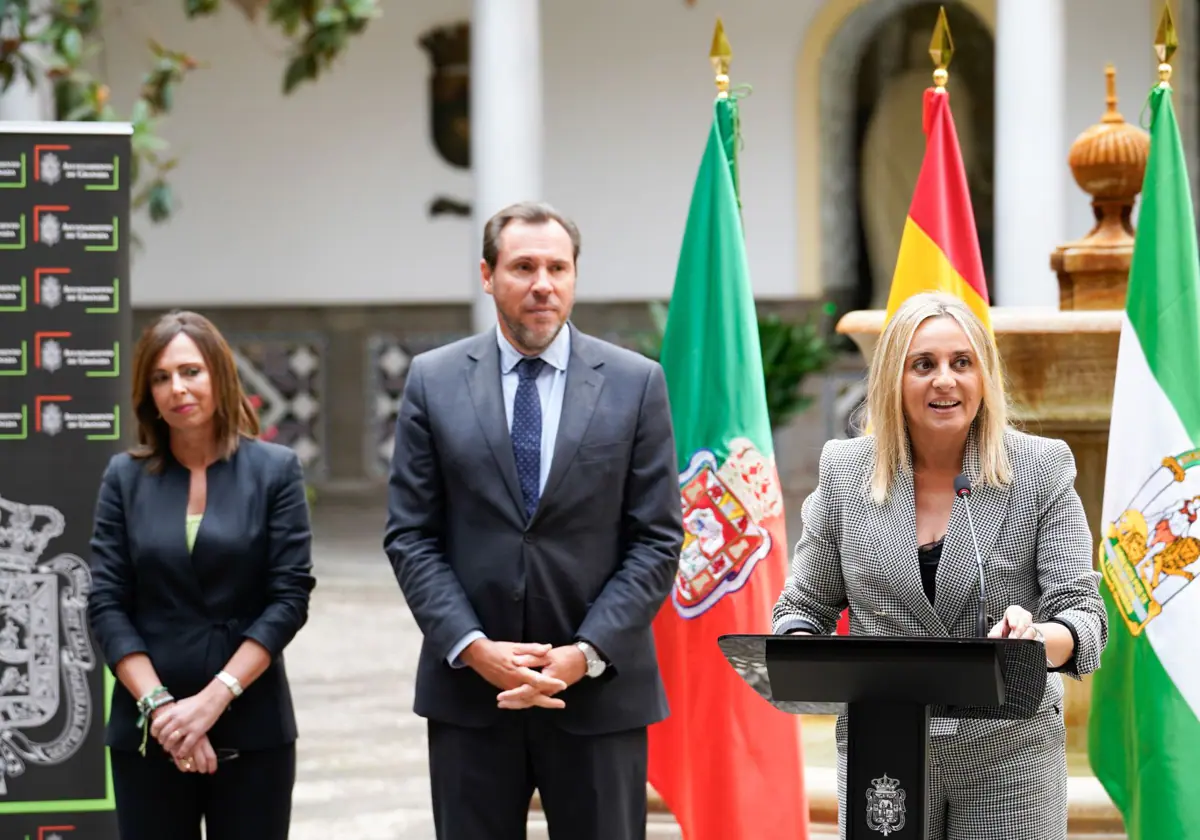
[[885, 408]]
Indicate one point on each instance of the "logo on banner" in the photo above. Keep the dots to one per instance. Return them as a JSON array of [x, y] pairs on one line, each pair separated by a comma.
[[52, 287], [45, 651], [50, 168], [53, 163], [885, 805], [52, 419], [58, 414], [52, 832], [12, 296], [14, 422], [50, 292], [52, 352], [12, 233], [50, 227], [14, 359]]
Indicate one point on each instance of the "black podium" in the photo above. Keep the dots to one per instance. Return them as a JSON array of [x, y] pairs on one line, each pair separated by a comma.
[[889, 687]]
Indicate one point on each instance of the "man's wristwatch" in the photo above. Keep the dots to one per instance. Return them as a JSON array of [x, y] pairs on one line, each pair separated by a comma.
[[595, 665]]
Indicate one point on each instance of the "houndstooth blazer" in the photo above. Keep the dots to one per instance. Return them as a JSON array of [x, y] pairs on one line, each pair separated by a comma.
[[1033, 537]]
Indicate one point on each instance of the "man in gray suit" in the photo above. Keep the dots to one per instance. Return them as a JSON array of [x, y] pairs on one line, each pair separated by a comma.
[[534, 526]]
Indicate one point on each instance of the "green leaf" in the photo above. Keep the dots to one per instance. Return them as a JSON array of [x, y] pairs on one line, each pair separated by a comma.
[[199, 8], [81, 113], [160, 202], [140, 112], [330, 16], [363, 9], [71, 45], [300, 68]]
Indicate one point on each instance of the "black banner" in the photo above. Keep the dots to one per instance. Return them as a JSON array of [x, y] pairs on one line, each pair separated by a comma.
[[65, 331]]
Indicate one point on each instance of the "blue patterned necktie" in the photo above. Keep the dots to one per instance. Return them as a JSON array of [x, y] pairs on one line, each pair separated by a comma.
[[527, 433]]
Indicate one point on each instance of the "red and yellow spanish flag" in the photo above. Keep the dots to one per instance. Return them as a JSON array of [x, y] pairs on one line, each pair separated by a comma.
[[939, 250]]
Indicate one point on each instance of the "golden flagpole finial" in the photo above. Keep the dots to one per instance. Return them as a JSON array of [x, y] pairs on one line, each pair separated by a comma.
[[941, 50], [720, 56], [1166, 41]]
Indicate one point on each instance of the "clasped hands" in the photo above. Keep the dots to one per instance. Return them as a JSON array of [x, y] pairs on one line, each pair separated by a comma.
[[510, 667], [182, 728]]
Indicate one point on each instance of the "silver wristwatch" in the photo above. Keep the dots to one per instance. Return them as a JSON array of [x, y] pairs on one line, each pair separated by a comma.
[[595, 665], [1041, 637]]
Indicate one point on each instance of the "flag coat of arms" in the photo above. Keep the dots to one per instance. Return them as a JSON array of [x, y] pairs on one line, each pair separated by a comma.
[[727, 763], [1144, 731]]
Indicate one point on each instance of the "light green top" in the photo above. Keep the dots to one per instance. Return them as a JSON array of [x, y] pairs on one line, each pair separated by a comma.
[[193, 526]]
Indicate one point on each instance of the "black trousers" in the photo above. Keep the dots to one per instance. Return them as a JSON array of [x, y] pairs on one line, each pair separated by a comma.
[[248, 798], [592, 787]]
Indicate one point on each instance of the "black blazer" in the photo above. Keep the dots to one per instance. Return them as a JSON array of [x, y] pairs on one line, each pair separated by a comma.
[[595, 562], [249, 577]]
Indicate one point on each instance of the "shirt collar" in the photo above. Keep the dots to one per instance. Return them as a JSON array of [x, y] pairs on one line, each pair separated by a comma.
[[556, 355]]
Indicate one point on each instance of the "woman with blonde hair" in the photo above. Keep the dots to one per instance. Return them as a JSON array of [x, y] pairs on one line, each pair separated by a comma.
[[202, 571], [883, 536]]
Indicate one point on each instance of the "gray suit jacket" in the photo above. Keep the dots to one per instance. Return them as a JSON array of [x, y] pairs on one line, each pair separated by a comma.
[[1033, 537], [596, 560]]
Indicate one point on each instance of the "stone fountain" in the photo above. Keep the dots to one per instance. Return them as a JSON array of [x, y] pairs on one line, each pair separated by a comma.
[[1061, 363]]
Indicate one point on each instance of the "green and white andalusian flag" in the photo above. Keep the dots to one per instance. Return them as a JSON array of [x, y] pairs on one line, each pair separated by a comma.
[[1144, 732]]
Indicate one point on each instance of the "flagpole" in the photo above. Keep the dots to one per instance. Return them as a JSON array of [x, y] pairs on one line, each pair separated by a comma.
[[941, 50], [1166, 41], [721, 55]]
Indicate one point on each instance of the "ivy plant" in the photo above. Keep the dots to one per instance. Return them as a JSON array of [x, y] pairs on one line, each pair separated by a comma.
[[59, 39]]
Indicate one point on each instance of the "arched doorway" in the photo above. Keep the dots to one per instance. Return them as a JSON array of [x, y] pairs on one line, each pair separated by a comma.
[[872, 72]]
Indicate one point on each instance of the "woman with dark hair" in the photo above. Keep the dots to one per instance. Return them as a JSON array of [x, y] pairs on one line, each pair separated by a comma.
[[201, 576]]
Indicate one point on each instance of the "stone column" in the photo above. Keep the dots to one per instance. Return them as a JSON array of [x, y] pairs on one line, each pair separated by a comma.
[[1030, 206], [506, 119]]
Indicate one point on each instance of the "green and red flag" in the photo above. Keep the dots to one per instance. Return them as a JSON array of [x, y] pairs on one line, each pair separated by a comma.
[[726, 763]]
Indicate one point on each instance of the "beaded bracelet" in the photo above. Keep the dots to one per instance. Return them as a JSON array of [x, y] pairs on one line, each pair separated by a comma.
[[151, 700]]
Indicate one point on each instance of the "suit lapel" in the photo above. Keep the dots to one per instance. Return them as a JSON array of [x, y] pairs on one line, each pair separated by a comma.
[[958, 572], [898, 551], [584, 383], [222, 516], [176, 486], [483, 383]]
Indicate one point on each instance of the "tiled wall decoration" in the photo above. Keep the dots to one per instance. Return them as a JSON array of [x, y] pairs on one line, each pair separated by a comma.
[[388, 358], [284, 374]]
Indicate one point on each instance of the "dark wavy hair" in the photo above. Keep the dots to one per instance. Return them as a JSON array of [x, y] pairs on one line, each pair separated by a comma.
[[234, 416]]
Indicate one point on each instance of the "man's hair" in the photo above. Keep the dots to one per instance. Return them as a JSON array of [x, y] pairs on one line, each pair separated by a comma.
[[530, 212]]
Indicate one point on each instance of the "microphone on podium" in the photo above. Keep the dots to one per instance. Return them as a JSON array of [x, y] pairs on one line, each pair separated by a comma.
[[962, 489]]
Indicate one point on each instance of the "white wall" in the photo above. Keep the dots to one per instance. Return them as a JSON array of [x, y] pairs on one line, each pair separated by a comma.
[[321, 197], [1100, 32], [316, 197]]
